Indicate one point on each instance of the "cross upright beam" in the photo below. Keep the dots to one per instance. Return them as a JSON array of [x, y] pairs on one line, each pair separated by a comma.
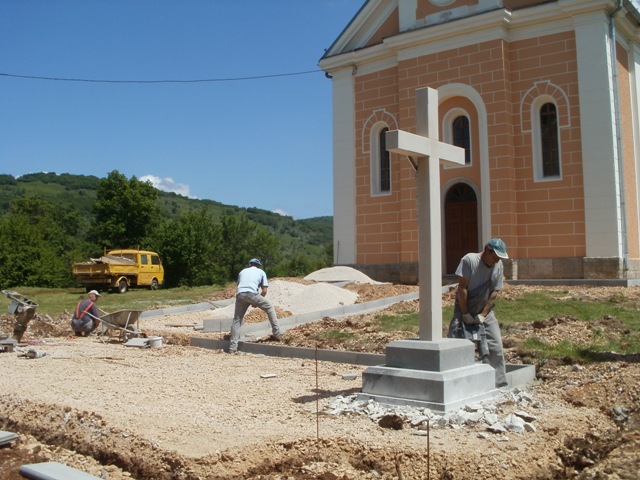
[[425, 145]]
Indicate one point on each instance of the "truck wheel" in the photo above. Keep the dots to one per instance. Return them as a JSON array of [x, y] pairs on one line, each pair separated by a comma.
[[154, 284], [122, 286]]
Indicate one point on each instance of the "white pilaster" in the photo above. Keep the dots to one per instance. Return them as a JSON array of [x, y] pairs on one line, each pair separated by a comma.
[[603, 219], [344, 174], [634, 64]]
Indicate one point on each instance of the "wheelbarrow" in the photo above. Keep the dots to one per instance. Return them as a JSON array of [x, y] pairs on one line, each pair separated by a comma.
[[24, 310], [123, 323]]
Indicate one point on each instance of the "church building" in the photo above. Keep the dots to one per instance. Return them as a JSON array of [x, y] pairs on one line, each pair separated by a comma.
[[543, 95]]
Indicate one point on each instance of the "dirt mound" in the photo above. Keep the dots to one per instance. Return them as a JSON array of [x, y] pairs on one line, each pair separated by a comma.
[[40, 326]]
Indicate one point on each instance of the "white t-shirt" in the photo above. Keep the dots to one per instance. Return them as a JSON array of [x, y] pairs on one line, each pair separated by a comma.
[[251, 279]]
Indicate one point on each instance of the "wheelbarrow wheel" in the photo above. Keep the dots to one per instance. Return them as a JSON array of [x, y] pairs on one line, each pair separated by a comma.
[[130, 332]]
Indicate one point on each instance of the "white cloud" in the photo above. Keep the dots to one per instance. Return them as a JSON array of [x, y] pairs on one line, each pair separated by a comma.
[[167, 184], [279, 211]]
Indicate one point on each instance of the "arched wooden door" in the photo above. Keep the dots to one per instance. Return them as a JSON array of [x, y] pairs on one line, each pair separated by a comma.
[[461, 224]]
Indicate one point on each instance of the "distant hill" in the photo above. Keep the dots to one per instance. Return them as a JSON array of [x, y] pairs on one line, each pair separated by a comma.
[[78, 192]]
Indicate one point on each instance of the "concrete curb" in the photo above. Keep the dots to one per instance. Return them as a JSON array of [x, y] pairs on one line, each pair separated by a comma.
[[195, 307], [264, 328], [283, 351], [517, 374]]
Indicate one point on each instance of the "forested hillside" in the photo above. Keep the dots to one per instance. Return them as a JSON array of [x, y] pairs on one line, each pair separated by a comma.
[[49, 220]]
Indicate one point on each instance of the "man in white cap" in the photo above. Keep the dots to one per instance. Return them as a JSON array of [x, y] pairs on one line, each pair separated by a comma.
[[251, 291], [479, 280], [86, 317]]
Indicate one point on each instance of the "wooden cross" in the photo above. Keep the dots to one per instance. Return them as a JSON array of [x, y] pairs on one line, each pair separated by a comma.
[[429, 152]]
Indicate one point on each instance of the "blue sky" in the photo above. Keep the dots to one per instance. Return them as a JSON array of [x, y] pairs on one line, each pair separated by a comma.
[[263, 143]]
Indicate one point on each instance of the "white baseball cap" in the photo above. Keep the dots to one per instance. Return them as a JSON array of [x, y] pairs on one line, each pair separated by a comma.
[[95, 292]]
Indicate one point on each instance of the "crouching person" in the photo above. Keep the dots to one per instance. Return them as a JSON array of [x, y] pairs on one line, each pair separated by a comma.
[[86, 316]]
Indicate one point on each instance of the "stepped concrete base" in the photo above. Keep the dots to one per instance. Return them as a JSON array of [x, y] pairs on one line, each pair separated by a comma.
[[441, 375]]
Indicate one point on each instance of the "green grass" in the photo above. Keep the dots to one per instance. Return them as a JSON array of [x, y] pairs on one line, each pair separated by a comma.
[[568, 351], [544, 305], [54, 302], [402, 322]]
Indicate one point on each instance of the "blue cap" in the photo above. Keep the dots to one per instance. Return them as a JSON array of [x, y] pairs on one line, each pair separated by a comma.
[[498, 246], [255, 261]]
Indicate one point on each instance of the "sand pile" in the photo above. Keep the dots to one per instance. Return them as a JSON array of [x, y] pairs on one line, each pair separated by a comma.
[[323, 295], [298, 298], [340, 275]]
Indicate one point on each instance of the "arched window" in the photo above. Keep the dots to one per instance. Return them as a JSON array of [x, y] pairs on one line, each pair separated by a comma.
[[385, 170], [549, 141], [456, 130], [461, 137], [545, 139], [380, 158]]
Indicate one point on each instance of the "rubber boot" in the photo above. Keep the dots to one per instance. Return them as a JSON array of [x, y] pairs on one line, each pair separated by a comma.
[[22, 320], [17, 335]]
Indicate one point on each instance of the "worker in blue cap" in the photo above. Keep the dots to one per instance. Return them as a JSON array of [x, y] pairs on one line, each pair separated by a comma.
[[479, 281], [251, 292]]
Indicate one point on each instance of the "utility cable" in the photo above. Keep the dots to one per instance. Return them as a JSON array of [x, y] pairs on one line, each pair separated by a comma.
[[204, 80]]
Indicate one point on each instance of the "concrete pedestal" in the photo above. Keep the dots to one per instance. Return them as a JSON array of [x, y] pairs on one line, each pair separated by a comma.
[[441, 375]]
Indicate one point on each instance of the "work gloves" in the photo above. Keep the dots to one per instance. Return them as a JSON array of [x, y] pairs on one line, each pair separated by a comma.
[[469, 319]]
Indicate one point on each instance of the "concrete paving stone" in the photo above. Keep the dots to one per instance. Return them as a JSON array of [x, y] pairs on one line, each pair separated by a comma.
[[7, 437], [53, 471]]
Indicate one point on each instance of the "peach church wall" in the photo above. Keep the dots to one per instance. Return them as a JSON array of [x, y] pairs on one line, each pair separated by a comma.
[[537, 219]]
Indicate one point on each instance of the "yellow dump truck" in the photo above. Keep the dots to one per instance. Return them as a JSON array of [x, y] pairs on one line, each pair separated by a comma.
[[121, 269]]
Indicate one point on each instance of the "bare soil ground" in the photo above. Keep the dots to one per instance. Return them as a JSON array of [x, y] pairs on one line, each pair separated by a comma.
[[180, 412]]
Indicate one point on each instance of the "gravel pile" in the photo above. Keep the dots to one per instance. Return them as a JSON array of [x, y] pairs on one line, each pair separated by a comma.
[[298, 298]]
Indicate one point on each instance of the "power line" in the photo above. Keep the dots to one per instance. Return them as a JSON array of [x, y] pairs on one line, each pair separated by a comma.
[[203, 80]]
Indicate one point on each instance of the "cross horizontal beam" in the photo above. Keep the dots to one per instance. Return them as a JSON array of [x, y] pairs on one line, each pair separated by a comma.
[[410, 144]]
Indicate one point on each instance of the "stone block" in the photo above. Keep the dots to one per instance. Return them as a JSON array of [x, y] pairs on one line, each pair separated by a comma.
[[439, 391], [603, 267], [442, 355]]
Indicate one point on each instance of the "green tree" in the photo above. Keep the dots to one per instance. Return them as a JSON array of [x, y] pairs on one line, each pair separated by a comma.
[[6, 179], [241, 240], [298, 266], [37, 244], [328, 255], [198, 251], [126, 213], [188, 246]]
